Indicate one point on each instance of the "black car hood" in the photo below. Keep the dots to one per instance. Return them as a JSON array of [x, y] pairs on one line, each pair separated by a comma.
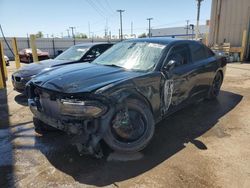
[[77, 78], [35, 68]]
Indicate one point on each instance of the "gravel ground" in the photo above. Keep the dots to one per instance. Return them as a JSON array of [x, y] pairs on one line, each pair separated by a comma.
[[203, 145]]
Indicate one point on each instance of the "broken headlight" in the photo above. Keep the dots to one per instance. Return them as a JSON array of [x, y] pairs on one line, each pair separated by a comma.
[[82, 108]]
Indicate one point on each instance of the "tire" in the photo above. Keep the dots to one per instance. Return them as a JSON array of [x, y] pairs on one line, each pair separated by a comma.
[[41, 127], [215, 87], [141, 133], [30, 59]]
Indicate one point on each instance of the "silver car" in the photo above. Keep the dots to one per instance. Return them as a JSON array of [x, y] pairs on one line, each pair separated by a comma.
[[7, 60]]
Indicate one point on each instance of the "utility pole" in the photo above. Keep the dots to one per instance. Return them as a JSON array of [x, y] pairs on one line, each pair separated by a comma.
[[187, 27], [121, 11], [149, 26], [131, 28], [73, 35], [28, 40], [89, 28], [192, 28], [198, 19], [68, 33]]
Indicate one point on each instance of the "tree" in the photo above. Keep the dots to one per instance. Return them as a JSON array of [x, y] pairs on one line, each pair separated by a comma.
[[81, 36], [39, 34], [143, 35]]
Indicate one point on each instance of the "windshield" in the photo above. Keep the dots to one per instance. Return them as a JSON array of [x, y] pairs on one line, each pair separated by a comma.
[[140, 56], [74, 53]]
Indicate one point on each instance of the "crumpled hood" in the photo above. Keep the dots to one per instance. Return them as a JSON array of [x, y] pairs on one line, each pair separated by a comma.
[[35, 68], [86, 77]]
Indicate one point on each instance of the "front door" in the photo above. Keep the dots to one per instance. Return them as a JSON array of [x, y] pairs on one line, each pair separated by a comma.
[[179, 82]]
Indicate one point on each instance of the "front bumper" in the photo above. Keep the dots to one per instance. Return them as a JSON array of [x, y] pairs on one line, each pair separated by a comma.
[[19, 83], [71, 126]]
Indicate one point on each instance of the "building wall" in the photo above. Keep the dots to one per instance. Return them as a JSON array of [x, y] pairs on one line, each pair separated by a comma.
[[229, 18], [178, 31]]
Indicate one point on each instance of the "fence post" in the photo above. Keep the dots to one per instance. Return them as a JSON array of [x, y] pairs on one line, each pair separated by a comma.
[[243, 45], [34, 49], [17, 59], [2, 77], [3, 61]]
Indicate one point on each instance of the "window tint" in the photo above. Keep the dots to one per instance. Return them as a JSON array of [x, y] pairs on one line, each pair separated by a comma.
[[209, 52], [198, 52], [180, 54], [104, 47], [95, 51]]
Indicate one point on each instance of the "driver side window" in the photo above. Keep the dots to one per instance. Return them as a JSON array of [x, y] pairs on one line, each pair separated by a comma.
[[179, 54]]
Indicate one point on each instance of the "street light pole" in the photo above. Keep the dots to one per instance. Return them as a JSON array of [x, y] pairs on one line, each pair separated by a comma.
[[121, 11], [149, 26], [198, 19]]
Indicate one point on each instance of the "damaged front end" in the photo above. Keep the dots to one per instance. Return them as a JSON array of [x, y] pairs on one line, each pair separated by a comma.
[[85, 117]]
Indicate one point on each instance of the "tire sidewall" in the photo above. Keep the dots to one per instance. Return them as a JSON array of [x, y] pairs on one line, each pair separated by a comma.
[[140, 144], [211, 93]]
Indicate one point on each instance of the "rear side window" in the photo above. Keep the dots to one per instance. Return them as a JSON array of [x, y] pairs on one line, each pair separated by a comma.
[[209, 52], [198, 52]]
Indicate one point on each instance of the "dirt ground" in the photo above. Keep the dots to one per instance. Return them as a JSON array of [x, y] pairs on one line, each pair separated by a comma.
[[203, 145]]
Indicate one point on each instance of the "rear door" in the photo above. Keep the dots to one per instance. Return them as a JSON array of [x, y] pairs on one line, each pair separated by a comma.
[[204, 64]]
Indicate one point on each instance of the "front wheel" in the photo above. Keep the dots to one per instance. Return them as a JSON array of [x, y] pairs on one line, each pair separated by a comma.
[[215, 87], [131, 128]]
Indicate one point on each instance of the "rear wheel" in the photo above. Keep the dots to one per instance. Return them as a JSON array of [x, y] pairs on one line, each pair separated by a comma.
[[131, 128], [216, 85], [41, 127]]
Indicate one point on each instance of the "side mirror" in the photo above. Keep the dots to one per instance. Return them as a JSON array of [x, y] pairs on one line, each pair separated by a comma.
[[170, 65]]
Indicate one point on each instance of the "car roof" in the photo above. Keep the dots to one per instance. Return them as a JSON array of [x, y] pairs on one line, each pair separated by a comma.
[[90, 44], [160, 40]]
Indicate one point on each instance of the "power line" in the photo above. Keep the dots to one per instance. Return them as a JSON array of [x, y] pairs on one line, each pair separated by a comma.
[[107, 3], [6, 40], [93, 5], [104, 8]]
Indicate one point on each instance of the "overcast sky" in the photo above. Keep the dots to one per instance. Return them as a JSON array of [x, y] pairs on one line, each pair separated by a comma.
[[19, 17]]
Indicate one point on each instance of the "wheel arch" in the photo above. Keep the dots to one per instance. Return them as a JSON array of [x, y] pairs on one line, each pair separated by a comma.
[[130, 93]]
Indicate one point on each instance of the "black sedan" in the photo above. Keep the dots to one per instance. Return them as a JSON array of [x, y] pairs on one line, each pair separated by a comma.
[[78, 53], [121, 95]]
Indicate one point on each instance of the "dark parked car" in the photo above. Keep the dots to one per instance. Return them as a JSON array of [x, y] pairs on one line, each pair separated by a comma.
[[78, 53], [121, 95], [25, 55]]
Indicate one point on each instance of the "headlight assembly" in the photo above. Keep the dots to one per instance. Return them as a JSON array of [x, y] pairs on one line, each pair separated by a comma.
[[82, 108]]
